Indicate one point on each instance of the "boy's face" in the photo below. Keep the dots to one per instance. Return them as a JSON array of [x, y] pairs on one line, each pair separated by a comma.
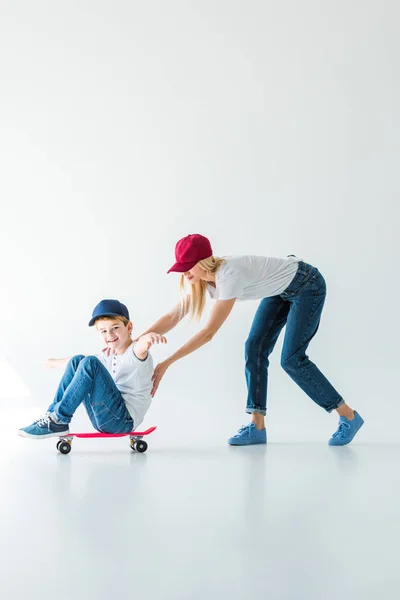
[[114, 333]]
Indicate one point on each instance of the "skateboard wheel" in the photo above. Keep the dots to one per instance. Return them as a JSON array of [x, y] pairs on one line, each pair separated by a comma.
[[133, 444], [58, 444], [64, 447], [141, 446]]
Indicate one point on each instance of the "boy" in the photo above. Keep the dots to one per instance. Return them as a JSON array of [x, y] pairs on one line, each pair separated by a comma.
[[114, 386]]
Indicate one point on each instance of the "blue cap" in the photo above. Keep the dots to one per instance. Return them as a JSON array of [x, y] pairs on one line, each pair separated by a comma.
[[112, 308]]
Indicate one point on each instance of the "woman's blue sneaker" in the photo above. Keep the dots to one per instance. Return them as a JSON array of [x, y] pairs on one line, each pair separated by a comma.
[[346, 430], [44, 428], [247, 435]]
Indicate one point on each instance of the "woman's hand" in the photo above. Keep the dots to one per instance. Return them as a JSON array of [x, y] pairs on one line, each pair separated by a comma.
[[159, 372]]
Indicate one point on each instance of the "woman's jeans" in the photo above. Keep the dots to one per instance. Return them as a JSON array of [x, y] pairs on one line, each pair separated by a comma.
[[87, 381], [299, 307]]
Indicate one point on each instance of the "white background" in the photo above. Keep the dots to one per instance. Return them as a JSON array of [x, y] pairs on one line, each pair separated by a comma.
[[270, 127]]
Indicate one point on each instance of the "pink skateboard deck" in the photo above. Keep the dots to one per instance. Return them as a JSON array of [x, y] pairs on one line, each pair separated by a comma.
[[136, 441]]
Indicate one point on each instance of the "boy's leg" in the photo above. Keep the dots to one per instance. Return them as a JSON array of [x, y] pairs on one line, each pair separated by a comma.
[[66, 379], [45, 426], [104, 403], [94, 386]]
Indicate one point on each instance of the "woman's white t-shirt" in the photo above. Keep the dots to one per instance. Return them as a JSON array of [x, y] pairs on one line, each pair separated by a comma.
[[252, 277]]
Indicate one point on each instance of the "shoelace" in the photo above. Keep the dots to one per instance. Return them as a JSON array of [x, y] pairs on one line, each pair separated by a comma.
[[341, 429], [45, 420], [242, 429]]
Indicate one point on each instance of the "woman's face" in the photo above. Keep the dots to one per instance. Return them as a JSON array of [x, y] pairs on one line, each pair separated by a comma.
[[195, 274]]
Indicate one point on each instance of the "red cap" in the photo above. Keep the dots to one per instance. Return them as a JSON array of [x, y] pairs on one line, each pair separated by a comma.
[[189, 251]]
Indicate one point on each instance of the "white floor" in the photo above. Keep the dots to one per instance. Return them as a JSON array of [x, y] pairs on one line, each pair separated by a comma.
[[187, 523]]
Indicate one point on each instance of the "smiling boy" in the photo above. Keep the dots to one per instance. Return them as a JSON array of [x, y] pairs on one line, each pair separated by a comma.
[[115, 387]]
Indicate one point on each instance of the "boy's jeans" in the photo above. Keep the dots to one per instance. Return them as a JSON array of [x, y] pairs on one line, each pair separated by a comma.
[[87, 380], [299, 307]]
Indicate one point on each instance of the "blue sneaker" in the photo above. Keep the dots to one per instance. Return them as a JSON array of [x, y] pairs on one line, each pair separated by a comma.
[[44, 428], [247, 435], [346, 430]]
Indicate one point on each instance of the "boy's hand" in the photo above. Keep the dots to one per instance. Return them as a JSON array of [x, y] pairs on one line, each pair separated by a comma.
[[54, 363], [151, 338], [51, 363], [145, 342]]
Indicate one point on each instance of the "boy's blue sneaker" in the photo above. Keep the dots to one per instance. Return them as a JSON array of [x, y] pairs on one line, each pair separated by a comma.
[[44, 428], [346, 430], [247, 435]]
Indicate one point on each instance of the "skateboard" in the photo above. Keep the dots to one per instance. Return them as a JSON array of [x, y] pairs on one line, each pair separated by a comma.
[[64, 444]]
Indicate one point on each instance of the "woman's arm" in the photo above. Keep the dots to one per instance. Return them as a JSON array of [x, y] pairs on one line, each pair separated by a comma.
[[169, 320], [219, 314]]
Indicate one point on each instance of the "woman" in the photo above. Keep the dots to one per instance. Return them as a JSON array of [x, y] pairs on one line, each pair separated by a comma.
[[292, 293]]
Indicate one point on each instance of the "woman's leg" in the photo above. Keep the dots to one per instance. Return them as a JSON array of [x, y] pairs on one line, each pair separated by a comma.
[[303, 320], [268, 322], [306, 296]]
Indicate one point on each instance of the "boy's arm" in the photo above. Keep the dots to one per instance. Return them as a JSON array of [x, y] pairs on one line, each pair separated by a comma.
[[54, 363]]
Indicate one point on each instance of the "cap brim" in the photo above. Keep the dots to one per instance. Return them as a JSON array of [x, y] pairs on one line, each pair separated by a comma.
[[106, 314], [182, 267]]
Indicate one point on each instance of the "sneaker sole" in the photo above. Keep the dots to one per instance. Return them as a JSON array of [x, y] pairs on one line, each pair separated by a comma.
[[41, 437], [247, 443]]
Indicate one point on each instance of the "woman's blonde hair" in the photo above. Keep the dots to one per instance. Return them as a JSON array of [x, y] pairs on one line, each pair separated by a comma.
[[194, 303]]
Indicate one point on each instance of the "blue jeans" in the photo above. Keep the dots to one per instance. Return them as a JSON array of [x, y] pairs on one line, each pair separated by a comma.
[[87, 381], [299, 307]]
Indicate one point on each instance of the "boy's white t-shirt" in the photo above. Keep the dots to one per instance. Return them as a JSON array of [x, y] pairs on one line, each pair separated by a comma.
[[253, 277], [132, 377]]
